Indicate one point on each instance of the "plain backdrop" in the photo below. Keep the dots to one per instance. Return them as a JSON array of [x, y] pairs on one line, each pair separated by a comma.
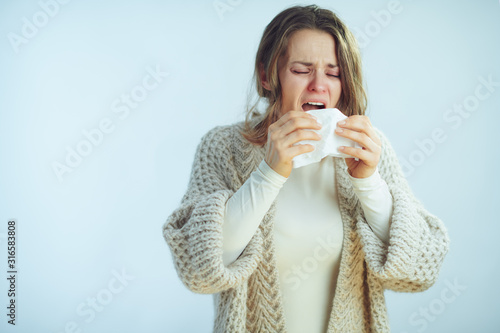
[[90, 252]]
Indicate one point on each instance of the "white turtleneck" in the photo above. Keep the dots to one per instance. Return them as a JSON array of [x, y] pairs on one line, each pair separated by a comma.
[[308, 232]]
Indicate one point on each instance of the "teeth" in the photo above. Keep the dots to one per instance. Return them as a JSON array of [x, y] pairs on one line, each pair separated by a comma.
[[314, 103]]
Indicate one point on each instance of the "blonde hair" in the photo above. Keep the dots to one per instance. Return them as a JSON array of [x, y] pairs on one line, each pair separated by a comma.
[[273, 46]]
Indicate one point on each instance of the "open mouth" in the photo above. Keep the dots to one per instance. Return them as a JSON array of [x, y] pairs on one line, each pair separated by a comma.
[[312, 106]]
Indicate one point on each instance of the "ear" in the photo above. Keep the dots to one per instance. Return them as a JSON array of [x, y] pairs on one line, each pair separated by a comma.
[[263, 78]]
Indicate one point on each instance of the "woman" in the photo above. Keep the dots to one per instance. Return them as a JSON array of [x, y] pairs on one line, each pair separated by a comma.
[[309, 249]]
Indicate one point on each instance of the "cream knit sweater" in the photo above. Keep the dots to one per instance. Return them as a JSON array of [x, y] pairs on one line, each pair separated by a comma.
[[247, 294], [308, 232]]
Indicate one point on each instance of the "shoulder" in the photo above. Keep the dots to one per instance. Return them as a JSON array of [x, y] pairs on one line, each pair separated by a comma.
[[224, 151], [231, 149], [389, 166], [384, 140], [217, 135], [225, 136], [388, 155], [222, 143]]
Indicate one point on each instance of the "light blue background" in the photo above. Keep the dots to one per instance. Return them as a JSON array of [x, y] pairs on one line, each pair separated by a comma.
[[106, 215]]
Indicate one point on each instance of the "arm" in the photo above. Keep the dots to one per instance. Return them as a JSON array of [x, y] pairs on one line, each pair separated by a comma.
[[194, 230], [377, 203], [418, 240], [246, 209]]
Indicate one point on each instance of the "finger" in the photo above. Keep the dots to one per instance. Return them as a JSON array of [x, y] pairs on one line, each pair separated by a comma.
[[360, 124], [300, 135], [364, 155], [300, 122], [287, 124], [289, 115], [359, 137], [289, 153], [300, 149]]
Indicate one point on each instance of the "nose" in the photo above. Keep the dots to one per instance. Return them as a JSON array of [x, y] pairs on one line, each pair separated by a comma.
[[318, 83]]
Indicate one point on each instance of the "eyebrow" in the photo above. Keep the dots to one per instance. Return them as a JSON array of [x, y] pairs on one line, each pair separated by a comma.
[[310, 64]]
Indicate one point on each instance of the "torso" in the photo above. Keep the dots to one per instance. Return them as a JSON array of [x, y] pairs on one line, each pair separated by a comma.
[[308, 235]]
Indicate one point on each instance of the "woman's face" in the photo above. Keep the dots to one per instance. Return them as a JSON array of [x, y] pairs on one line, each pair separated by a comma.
[[309, 72]]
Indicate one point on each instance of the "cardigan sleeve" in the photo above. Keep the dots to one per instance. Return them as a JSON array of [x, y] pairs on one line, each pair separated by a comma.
[[418, 240], [194, 230]]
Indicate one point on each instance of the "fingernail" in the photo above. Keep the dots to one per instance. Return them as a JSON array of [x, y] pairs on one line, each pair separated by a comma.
[[342, 122], [338, 130]]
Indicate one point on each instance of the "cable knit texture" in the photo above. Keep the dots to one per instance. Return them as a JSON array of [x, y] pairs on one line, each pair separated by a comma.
[[246, 293]]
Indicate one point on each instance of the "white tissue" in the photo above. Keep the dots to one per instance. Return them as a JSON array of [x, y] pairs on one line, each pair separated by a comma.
[[330, 141]]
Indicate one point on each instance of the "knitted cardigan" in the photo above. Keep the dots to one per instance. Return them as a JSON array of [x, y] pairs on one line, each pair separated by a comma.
[[247, 293]]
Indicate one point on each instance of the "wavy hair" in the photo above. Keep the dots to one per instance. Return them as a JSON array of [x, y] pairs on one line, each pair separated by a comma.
[[273, 46]]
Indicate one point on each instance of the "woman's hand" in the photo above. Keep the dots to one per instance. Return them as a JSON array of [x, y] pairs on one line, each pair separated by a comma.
[[282, 134], [360, 130]]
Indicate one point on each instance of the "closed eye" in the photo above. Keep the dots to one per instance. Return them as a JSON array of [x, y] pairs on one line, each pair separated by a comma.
[[299, 72]]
